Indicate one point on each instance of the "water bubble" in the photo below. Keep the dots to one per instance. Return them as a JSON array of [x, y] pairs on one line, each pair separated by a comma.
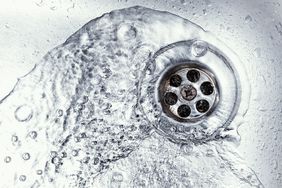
[[248, 19], [187, 148], [14, 138], [22, 178], [56, 160], [60, 112], [7, 159], [63, 155], [74, 153], [117, 177], [172, 129], [39, 172], [275, 164], [23, 113], [53, 154], [199, 48], [26, 156], [33, 134], [86, 160]]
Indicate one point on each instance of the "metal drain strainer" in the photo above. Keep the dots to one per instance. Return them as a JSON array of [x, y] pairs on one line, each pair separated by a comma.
[[188, 92], [192, 91]]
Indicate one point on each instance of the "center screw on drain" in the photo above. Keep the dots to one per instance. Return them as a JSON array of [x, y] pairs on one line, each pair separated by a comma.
[[188, 92]]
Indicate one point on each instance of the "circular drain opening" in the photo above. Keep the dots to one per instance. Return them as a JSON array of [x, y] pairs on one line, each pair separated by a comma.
[[191, 91], [188, 92]]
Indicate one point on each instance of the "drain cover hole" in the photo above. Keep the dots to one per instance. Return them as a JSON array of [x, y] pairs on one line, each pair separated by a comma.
[[206, 88], [202, 106], [193, 75], [170, 98], [183, 111], [175, 80]]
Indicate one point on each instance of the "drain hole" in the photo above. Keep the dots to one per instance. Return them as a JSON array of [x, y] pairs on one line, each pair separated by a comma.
[[170, 98], [175, 80], [206, 88], [193, 75], [184, 111], [202, 106]]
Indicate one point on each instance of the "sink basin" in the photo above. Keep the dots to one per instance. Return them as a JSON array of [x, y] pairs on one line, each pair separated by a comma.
[[251, 29]]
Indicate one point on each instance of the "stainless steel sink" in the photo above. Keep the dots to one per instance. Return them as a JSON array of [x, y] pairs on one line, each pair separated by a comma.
[[252, 29]]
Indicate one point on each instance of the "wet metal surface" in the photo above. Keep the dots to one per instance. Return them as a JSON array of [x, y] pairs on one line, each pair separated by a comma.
[[188, 92], [252, 29]]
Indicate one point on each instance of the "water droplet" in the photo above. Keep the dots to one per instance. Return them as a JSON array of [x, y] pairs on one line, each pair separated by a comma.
[[33, 134], [26, 156], [7, 159], [54, 153], [275, 164], [74, 153], [187, 148], [199, 48], [39, 172], [56, 160], [23, 113], [248, 19], [117, 177], [63, 155], [14, 138], [60, 112], [22, 178], [172, 129]]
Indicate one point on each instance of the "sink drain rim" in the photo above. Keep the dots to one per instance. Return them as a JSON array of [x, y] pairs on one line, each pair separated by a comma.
[[154, 70]]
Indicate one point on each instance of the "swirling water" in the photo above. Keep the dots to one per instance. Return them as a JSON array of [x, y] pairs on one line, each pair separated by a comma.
[[76, 121]]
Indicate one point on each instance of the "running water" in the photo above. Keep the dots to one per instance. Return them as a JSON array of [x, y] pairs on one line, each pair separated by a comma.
[[81, 119]]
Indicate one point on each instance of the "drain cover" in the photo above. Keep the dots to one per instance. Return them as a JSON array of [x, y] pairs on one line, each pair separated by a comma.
[[188, 92], [191, 90]]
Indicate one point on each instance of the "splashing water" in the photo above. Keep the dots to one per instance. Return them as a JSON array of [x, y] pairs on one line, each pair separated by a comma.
[[76, 119]]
